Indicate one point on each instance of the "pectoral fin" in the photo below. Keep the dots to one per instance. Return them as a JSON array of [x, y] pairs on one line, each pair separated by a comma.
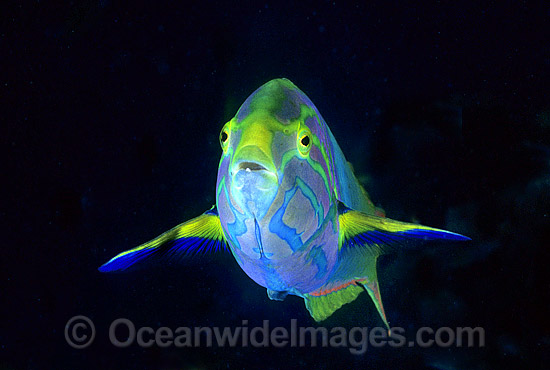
[[200, 234], [362, 239], [360, 229]]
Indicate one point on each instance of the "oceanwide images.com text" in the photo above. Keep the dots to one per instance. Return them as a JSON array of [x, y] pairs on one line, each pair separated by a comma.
[[80, 333]]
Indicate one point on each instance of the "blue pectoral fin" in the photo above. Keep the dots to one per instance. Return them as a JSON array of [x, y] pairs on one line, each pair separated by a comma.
[[357, 228], [362, 239], [199, 235]]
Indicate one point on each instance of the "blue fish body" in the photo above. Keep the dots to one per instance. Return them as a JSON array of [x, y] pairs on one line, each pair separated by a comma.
[[289, 208]]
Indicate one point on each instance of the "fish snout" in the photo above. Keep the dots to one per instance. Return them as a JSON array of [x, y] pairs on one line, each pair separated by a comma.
[[254, 184], [250, 176], [253, 166]]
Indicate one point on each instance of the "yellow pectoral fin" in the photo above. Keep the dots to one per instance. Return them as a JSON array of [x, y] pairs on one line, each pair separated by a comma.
[[362, 238], [357, 228], [200, 234]]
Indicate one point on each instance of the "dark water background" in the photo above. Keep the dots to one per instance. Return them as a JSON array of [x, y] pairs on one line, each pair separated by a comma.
[[111, 118]]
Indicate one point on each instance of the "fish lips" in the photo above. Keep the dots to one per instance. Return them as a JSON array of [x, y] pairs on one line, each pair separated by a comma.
[[254, 187]]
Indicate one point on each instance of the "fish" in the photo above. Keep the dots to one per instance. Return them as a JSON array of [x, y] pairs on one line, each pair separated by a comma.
[[290, 209]]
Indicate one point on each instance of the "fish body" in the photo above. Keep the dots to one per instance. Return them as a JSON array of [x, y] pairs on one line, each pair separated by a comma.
[[289, 208], [282, 225]]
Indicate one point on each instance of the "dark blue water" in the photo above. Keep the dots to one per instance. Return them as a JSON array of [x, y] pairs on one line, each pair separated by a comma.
[[111, 119]]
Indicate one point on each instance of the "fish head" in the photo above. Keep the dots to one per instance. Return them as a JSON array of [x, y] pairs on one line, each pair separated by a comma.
[[274, 186]]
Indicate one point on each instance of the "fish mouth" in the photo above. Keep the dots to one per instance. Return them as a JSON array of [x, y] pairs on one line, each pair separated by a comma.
[[253, 186], [250, 166], [253, 175]]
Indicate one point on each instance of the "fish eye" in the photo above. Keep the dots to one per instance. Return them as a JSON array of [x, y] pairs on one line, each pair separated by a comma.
[[224, 136], [304, 142]]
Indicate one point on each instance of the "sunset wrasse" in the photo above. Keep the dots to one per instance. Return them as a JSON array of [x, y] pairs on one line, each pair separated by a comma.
[[289, 208]]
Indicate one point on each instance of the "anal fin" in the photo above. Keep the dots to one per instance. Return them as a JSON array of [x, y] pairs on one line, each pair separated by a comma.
[[322, 303]]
